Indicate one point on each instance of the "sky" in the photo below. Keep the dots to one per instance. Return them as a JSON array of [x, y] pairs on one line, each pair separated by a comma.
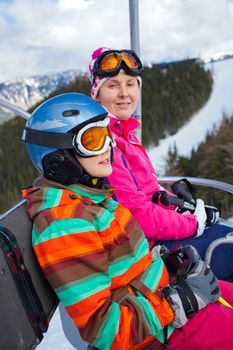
[[41, 36]]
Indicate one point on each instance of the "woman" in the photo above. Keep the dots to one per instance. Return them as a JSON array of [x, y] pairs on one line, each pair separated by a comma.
[[116, 81], [93, 253]]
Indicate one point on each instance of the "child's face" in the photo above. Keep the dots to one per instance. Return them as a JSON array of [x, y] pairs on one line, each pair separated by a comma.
[[97, 166]]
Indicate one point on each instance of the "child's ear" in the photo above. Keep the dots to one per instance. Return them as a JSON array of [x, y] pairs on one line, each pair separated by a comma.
[[97, 98]]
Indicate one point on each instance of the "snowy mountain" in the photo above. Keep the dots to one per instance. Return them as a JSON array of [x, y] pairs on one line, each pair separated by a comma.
[[221, 100], [221, 56], [25, 92], [194, 132]]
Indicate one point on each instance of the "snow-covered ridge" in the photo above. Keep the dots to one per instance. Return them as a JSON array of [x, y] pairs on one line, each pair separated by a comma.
[[194, 132], [25, 92]]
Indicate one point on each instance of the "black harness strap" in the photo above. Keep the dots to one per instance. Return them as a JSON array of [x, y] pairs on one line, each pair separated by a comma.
[[188, 298]]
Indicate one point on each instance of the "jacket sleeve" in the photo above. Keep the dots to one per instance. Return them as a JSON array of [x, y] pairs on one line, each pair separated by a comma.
[[157, 222], [76, 265]]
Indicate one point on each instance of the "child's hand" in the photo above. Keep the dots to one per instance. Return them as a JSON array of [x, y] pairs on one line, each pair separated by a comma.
[[192, 293]]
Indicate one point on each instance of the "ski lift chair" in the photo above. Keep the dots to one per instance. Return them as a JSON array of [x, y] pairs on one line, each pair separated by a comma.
[[203, 182], [26, 293], [27, 300], [70, 329]]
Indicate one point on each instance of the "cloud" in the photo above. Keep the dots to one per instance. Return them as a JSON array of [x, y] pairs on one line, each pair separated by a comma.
[[185, 28], [74, 5], [41, 36]]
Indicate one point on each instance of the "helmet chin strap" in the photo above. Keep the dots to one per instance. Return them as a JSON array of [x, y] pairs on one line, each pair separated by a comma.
[[90, 181], [87, 179]]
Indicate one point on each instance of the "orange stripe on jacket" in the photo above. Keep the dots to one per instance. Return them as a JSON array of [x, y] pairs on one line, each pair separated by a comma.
[[132, 272], [48, 253], [84, 309]]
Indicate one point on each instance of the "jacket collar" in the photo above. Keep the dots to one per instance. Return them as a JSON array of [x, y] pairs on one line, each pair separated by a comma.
[[123, 127], [96, 195], [46, 194]]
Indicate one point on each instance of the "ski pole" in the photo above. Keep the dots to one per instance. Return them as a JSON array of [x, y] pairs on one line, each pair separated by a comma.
[[167, 200]]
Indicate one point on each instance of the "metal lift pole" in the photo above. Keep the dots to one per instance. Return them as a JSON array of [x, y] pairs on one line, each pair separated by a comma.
[[134, 44]]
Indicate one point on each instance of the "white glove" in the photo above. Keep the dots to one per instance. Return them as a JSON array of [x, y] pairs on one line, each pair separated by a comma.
[[201, 216], [212, 215]]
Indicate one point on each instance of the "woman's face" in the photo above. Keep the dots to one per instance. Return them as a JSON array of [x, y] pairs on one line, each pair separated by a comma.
[[119, 95], [97, 166]]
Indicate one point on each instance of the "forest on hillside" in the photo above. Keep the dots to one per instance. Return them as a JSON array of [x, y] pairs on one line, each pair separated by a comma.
[[170, 96], [213, 159]]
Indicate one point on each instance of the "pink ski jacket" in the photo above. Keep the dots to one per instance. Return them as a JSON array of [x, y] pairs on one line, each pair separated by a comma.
[[135, 182]]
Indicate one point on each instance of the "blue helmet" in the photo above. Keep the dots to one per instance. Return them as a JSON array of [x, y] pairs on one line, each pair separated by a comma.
[[49, 130]]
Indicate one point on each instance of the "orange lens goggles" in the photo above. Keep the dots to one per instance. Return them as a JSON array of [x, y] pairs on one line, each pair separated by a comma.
[[112, 60], [93, 139]]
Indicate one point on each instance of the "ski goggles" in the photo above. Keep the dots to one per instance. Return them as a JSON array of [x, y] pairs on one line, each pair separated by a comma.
[[93, 139], [109, 63]]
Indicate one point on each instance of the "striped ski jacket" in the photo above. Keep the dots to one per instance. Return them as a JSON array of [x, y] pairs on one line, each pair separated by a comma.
[[97, 260]]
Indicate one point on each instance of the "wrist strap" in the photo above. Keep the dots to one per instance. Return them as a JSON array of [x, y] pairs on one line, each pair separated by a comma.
[[187, 297]]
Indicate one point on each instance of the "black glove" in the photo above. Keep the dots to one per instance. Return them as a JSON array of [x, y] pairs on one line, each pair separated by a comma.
[[180, 260], [206, 215], [192, 293], [212, 215]]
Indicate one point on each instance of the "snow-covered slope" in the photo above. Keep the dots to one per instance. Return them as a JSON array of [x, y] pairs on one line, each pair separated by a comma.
[[194, 132], [189, 136], [25, 92], [55, 338]]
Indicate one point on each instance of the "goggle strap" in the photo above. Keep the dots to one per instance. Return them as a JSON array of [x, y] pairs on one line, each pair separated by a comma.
[[48, 139]]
